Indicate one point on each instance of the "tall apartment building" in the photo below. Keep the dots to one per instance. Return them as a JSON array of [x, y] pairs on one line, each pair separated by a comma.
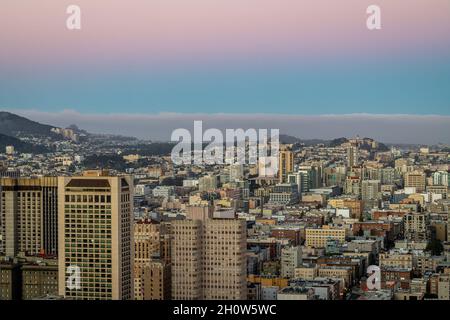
[[370, 190], [151, 261], [156, 281], [352, 156], [96, 236], [416, 226], [291, 258], [285, 164], [353, 185], [208, 259], [28, 216], [207, 183], [416, 179]]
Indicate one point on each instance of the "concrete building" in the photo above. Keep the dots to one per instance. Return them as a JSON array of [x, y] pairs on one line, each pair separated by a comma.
[[285, 164], [284, 194], [370, 190], [316, 237], [208, 259], [28, 216], [352, 156], [10, 280], [96, 236], [152, 268], [291, 258], [416, 226], [416, 180], [207, 183], [39, 279]]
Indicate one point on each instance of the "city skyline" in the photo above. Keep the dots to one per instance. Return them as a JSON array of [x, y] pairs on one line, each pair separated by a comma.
[[386, 128]]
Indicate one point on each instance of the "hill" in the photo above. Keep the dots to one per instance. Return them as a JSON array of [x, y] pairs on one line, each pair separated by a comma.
[[20, 146], [14, 125]]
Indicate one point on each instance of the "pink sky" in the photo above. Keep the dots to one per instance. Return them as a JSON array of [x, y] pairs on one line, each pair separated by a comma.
[[33, 32]]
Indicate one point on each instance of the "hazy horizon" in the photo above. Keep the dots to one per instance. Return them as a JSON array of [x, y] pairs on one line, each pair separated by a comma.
[[396, 129]]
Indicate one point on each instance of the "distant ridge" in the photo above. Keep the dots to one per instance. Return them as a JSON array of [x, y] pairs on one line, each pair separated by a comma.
[[14, 125]]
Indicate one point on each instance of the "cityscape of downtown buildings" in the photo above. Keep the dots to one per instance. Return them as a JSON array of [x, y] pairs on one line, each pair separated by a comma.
[[152, 230]]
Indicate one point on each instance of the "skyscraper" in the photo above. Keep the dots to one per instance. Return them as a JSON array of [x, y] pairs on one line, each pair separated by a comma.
[[208, 259], [151, 265], [28, 216], [352, 156], [370, 190], [285, 163], [96, 237]]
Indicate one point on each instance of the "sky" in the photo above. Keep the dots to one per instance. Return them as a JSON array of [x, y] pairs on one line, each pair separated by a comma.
[[273, 57]]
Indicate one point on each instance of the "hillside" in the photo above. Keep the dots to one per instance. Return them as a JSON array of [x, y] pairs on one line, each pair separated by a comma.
[[19, 145], [14, 125]]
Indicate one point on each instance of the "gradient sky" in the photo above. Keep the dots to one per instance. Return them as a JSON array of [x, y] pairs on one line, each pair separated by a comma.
[[236, 56]]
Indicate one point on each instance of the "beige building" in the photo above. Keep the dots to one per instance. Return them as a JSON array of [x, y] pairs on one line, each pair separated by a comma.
[[416, 226], [39, 280], [28, 216], [285, 164], [156, 281], [443, 287], [96, 236], [291, 258], [340, 272], [9, 280], [416, 179], [152, 267], [187, 260], [396, 259], [316, 237], [306, 273], [356, 206], [208, 259]]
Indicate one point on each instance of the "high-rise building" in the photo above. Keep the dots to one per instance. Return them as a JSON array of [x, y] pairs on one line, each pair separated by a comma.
[[353, 185], [187, 241], [236, 172], [208, 259], [156, 280], [291, 258], [441, 178], [352, 156], [284, 194], [370, 190], [96, 236], [416, 226], [416, 179], [28, 216], [303, 179], [285, 164], [207, 183], [151, 263], [9, 150]]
